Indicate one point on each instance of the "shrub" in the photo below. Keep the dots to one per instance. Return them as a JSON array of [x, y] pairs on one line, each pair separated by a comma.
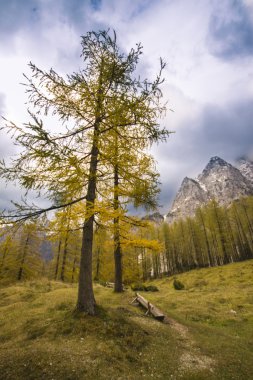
[[139, 286], [151, 288], [144, 288], [178, 285]]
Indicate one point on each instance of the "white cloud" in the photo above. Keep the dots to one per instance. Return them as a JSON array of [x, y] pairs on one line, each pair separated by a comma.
[[197, 80]]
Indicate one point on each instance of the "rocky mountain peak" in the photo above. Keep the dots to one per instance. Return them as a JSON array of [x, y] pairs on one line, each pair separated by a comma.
[[187, 181], [217, 161], [219, 180], [190, 195], [214, 163]]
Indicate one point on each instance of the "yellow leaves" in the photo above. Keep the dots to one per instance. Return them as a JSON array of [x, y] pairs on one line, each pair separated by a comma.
[[153, 245], [28, 181]]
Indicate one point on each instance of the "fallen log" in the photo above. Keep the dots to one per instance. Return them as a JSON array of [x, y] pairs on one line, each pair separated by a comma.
[[151, 309], [109, 284]]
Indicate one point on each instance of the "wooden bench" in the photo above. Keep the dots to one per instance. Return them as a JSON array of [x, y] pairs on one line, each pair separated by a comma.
[[151, 309]]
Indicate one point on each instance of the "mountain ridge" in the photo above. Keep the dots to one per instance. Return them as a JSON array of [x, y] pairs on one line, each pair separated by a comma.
[[219, 180]]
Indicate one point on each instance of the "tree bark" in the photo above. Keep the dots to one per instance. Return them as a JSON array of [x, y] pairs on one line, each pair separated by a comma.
[[64, 259], [248, 223], [247, 252], [209, 255], [86, 300], [21, 268], [73, 269], [118, 287], [221, 236], [3, 258], [96, 278], [57, 260]]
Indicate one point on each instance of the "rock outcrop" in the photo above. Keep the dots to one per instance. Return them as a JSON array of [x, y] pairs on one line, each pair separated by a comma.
[[219, 180], [246, 168]]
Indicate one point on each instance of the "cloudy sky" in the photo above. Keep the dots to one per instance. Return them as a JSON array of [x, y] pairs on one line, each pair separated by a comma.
[[208, 47]]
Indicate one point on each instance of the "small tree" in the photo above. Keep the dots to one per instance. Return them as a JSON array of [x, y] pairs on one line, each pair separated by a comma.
[[135, 180], [64, 232], [28, 259], [8, 254]]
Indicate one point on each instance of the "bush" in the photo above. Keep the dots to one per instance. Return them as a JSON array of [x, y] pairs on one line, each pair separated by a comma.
[[151, 288], [136, 287], [143, 288], [178, 285]]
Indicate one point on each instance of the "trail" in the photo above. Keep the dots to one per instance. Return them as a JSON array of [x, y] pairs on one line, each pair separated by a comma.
[[191, 359]]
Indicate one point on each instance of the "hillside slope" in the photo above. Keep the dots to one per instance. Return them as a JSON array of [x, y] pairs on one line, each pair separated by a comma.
[[210, 334]]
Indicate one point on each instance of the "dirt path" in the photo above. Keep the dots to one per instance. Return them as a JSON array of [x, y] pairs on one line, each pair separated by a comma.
[[191, 359]]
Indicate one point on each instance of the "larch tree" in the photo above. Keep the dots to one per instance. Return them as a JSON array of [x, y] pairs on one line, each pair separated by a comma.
[[63, 231], [28, 259], [8, 254], [69, 164], [133, 180]]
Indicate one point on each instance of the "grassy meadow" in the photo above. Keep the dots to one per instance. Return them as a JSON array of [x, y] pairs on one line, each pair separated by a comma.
[[208, 333]]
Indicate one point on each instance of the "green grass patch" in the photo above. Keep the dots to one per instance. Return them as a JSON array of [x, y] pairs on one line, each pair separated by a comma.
[[41, 337]]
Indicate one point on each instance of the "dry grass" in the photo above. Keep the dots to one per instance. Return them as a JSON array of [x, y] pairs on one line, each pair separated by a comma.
[[210, 337]]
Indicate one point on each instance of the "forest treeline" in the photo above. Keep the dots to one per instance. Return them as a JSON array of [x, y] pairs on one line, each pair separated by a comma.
[[215, 236]]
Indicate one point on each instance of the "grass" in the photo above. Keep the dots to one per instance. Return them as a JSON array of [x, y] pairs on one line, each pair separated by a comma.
[[210, 337]]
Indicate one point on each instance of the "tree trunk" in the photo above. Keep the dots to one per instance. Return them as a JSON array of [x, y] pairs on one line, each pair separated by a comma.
[[86, 301], [144, 264], [118, 287], [21, 268], [57, 260], [248, 223], [73, 269], [96, 278], [3, 258], [196, 257], [247, 252], [232, 241], [64, 259], [225, 257], [209, 255]]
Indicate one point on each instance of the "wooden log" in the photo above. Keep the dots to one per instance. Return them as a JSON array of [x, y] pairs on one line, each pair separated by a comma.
[[109, 284], [151, 309]]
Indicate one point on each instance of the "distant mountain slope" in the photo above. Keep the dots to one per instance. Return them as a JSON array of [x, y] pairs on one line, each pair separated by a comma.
[[246, 168], [219, 180], [155, 217]]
